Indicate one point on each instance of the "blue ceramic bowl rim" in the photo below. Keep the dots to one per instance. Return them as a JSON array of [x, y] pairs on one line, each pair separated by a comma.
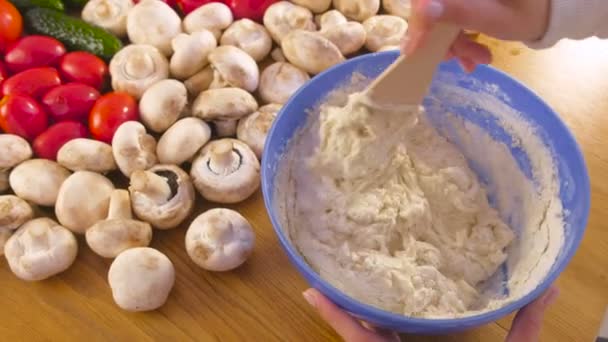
[[378, 315]]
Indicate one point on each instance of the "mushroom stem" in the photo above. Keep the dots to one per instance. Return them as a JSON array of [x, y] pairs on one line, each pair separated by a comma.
[[120, 205], [38, 238], [222, 158], [225, 128], [139, 66], [155, 186]]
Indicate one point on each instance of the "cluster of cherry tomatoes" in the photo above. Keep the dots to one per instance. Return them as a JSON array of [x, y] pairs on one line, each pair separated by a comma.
[[50, 95]]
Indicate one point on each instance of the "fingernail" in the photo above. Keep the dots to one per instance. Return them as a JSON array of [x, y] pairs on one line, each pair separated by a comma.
[[310, 298], [550, 297], [434, 9]]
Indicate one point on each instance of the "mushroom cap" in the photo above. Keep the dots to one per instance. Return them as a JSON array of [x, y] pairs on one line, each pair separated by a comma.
[[154, 23], [220, 240], [3, 180], [163, 212], [389, 48], [277, 55], [162, 104], [226, 171], [283, 17], [253, 128], [136, 67], [13, 150], [400, 8], [14, 212], [5, 234], [214, 16], [358, 10], [119, 231], [280, 81], [224, 104], [348, 36], [233, 67], [200, 81], [133, 148], [384, 30], [83, 154], [108, 14], [38, 181], [310, 51], [191, 53], [141, 279], [83, 199], [182, 140], [250, 37], [40, 249], [316, 6]]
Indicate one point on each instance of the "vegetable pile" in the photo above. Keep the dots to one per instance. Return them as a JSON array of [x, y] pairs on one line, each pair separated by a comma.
[[175, 96]]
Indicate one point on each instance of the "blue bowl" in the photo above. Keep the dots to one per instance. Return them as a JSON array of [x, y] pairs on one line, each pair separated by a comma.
[[573, 177]]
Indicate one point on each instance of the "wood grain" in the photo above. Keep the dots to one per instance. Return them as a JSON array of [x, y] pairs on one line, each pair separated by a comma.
[[262, 300]]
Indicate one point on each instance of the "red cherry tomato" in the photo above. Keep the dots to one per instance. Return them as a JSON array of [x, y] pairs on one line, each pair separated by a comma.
[[109, 112], [71, 101], [250, 9], [3, 74], [85, 68], [23, 116], [33, 82], [32, 52], [11, 24], [47, 144], [187, 6]]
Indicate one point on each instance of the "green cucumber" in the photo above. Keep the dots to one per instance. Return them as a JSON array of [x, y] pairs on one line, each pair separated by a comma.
[[27, 4], [76, 34]]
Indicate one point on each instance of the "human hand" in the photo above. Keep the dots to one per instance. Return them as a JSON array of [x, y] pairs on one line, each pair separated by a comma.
[[526, 325], [521, 20]]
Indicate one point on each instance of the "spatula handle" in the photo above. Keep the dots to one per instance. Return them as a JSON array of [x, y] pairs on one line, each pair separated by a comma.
[[408, 79]]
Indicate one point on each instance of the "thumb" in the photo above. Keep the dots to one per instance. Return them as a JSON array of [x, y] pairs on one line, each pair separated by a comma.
[[528, 322]]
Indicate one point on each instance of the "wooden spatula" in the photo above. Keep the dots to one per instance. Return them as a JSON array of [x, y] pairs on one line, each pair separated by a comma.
[[408, 79]]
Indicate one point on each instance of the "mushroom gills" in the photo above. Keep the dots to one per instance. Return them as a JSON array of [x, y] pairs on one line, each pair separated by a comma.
[[171, 178]]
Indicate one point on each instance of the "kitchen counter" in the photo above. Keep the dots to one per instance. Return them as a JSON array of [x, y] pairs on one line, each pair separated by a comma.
[[261, 301]]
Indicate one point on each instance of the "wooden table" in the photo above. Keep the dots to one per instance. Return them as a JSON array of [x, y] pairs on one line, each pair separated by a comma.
[[262, 300]]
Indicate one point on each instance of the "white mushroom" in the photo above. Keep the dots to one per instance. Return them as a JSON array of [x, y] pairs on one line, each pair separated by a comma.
[[233, 67], [400, 8], [253, 128], [5, 234], [214, 16], [316, 6], [108, 14], [191, 53], [182, 140], [226, 171], [141, 279], [281, 80], [13, 151], [310, 51], [220, 240], [86, 155], [162, 104], [250, 37], [348, 36], [389, 48], [162, 195], [199, 82], [119, 232], [4, 185], [224, 107], [133, 148], [38, 181], [40, 249], [154, 23], [277, 55], [283, 17], [136, 67], [83, 200], [384, 30], [358, 10], [14, 212]]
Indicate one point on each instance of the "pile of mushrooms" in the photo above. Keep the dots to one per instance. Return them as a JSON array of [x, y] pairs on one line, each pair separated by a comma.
[[209, 88]]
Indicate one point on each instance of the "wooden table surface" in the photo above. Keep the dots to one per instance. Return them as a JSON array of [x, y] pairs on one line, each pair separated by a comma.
[[262, 301]]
